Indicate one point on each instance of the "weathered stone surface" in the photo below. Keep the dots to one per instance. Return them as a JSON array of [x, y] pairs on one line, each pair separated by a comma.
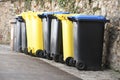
[[6, 13]]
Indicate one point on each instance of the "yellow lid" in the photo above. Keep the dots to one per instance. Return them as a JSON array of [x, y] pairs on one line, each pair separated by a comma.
[[64, 16], [38, 13], [26, 14]]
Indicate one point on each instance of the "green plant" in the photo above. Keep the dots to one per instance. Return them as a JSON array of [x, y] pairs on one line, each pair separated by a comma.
[[90, 1], [95, 9], [42, 2], [37, 1], [27, 5], [68, 5]]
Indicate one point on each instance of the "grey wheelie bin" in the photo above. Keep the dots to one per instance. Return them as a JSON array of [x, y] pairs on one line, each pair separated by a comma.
[[20, 42], [17, 34], [88, 32], [56, 45], [23, 34], [46, 20]]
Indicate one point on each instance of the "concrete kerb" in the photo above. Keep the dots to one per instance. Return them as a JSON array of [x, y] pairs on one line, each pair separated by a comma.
[[86, 75]]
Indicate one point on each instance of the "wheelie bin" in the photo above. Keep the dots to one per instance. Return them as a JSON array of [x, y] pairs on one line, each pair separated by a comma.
[[46, 21], [23, 37], [37, 35], [56, 43], [88, 34], [67, 36], [27, 17], [17, 35]]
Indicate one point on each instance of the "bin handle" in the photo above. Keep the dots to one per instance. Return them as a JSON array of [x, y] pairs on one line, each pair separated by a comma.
[[52, 16], [108, 21], [20, 18], [41, 16], [71, 19]]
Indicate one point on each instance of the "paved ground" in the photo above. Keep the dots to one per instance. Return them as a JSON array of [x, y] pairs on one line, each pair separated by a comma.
[[17, 66]]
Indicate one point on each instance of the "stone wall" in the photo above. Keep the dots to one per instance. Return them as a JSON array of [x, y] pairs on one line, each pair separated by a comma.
[[6, 13], [107, 8]]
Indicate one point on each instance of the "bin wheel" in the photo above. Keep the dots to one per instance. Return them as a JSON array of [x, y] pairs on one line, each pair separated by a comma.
[[67, 61], [26, 51], [48, 56], [44, 54], [31, 53], [41, 54], [21, 50], [56, 57], [72, 62], [61, 58], [80, 65], [38, 52]]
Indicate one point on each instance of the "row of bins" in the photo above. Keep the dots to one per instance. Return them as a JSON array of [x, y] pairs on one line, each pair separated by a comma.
[[74, 39]]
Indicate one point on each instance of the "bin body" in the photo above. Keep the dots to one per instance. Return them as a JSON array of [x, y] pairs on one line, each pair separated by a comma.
[[17, 34], [23, 36], [88, 32], [27, 17], [37, 35], [12, 37], [56, 45], [46, 33], [67, 28], [13, 26]]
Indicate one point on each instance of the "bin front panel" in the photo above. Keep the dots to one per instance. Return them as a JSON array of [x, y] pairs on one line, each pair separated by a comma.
[[18, 36], [46, 33], [23, 36], [67, 27], [37, 35], [29, 30], [76, 45], [14, 43], [13, 25], [54, 36], [60, 39]]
